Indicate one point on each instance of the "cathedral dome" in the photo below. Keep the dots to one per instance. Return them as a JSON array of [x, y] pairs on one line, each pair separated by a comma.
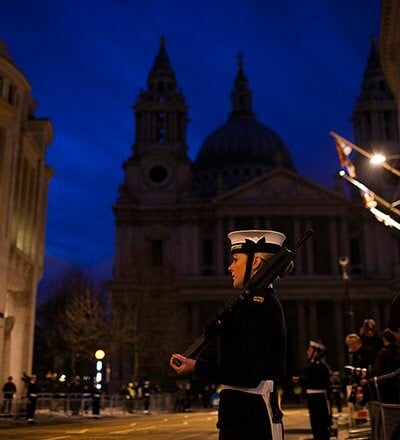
[[243, 142], [241, 149]]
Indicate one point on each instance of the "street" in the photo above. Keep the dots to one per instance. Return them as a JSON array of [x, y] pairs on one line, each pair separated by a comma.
[[198, 425], [193, 426]]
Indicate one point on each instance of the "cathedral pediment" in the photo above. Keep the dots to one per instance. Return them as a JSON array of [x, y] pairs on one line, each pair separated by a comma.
[[282, 186]]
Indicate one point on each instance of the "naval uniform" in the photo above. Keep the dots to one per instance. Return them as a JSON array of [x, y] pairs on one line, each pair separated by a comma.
[[251, 354], [316, 380]]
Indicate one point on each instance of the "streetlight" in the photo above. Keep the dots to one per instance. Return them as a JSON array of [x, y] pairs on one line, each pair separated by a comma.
[[99, 355], [380, 158]]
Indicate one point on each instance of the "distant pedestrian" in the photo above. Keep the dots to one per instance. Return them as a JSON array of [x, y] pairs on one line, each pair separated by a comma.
[[96, 397], [337, 390], [9, 389], [32, 395], [130, 394], [146, 393]]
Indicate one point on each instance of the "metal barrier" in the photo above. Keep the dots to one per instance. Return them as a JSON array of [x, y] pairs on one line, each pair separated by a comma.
[[385, 421], [385, 417], [81, 404]]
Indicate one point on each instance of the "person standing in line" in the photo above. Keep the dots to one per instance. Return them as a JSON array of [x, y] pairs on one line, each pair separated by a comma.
[[387, 361], [9, 389], [146, 393], [316, 382], [370, 337], [251, 346], [336, 390], [32, 395], [95, 391]]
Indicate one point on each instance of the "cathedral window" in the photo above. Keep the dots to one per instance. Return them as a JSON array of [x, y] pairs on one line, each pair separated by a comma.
[[355, 256], [160, 137], [157, 252], [11, 95], [208, 256], [321, 245]]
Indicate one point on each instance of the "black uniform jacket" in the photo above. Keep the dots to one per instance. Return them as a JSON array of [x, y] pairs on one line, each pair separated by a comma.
[[252, 347]]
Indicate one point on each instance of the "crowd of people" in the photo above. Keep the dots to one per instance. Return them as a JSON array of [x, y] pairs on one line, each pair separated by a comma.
[[370, 355], [138, 392]]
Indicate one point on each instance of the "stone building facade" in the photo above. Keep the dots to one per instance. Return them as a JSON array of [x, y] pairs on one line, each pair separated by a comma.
[[24, 178], [175, 211]]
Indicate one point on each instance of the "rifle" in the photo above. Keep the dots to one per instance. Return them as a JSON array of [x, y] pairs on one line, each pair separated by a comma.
[[274, 268]]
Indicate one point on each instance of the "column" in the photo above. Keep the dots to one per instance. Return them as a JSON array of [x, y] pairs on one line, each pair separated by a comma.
[[339, 334], [309, 251], [334, 247], [219, 247], [301, 334], [313, 320], [299, 262]]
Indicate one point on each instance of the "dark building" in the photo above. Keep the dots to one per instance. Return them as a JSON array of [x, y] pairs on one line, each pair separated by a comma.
[[172, 219]]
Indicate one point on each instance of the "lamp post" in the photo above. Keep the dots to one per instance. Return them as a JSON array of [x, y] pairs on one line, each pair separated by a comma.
[[99, 355], [344, 265]]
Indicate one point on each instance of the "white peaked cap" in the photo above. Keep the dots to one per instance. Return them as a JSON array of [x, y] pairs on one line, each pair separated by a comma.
[[255, 240]]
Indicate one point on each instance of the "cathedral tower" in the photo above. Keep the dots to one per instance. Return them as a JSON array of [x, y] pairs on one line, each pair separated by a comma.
[[375, 125], [159, 163]]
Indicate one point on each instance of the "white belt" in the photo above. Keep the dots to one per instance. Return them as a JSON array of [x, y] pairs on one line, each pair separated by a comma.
[[264, 387], [312, 391]]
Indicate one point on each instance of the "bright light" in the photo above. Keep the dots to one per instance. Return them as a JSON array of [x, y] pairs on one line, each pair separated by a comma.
[[99, 377], [62, 378], [99, 354], [378, 159]]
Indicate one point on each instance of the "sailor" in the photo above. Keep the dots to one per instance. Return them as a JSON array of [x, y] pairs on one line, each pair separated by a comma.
[[252, 346], [316, 382]]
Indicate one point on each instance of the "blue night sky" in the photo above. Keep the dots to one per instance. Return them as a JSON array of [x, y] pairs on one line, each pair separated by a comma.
[[88, 59]]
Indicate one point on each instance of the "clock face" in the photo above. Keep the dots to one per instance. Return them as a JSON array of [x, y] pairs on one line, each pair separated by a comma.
[[158, 174]]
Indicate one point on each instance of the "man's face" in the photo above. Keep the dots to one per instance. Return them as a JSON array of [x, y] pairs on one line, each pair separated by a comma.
[[353, 345], [238, 269]]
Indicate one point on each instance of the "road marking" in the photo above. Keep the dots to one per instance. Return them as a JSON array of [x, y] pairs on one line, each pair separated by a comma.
[[80, 431], [57, 438], [125, 431]]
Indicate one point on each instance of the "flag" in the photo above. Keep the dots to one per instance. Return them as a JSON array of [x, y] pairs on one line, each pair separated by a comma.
[[344, 152]]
